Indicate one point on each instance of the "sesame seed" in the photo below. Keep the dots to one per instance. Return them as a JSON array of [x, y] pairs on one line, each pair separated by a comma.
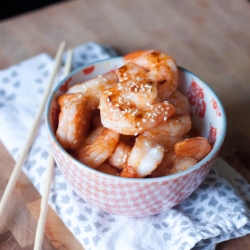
[[100, 76], [152, 120], [104, 79], [75, 141], [136, 133], [155, 151], [144, 120], [165, 118]]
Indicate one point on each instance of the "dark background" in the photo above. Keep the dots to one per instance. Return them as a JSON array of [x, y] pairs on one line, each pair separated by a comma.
[[10, 8]]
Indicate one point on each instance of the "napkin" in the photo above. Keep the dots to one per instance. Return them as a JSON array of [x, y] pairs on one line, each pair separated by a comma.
[[217, 210]]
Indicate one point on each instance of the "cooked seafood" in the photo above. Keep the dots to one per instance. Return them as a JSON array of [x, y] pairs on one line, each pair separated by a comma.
[[97, 153], [73, 120], [131, 122], [162, 69]]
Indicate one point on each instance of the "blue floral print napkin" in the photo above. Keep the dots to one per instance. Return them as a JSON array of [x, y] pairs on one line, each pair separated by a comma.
[[217, 211]]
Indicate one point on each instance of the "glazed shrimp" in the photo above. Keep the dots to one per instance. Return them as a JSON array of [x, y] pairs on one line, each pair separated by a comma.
[[169, 132], [136, 92], [182, 163], [74, 120], [120, 155], [93, 88], [197, 148], [131, 116], [91, 137], [130, 71], [172, 163], [95, 154], [180, 103], [128, 172], [162, 69], [107, 169], [145, 156]]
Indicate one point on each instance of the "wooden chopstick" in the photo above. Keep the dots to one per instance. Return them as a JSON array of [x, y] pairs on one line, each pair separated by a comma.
[[49, 175], [18, 166]]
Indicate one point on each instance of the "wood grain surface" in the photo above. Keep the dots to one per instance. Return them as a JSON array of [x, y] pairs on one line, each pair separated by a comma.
[[208, 37]]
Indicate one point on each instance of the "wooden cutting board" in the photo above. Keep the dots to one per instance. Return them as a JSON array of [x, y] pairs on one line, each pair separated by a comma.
[[17, 230]]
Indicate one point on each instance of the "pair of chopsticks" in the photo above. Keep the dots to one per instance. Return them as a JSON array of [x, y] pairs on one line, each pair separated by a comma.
[[18, 166]]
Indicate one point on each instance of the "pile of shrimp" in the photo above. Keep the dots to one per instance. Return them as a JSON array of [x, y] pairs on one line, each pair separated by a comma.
[[133, 122]]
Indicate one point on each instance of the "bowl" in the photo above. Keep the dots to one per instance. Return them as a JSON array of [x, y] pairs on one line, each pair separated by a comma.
[[136, 197]]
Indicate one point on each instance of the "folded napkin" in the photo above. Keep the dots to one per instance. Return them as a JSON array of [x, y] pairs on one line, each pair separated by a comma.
[[217, 211]]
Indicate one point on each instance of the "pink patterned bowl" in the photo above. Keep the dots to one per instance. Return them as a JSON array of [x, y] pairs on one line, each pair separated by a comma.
[[136, 197]]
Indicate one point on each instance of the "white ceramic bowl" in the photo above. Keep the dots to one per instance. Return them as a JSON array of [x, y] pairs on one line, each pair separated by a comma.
[[139, 197]]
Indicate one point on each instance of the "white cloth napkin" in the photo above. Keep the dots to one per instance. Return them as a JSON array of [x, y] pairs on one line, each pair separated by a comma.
[[218, 210]]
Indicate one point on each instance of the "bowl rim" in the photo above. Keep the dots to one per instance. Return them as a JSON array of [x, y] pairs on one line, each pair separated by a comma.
[[214, 150]]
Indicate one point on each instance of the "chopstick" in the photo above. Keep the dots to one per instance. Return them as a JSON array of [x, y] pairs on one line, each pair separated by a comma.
[[18, 166], [49, 175]]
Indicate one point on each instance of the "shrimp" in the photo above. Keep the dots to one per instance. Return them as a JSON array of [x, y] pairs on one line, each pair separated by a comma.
[[106, 168], [128, 172], [180, 102], [74, 120], [91, 137], [131, 116], [162, 69], [197, 148], [97, 153], [130, 71], [93, 88], [169, 132], [137, 92], [172, 163], [182, 163], [145, 156], [120, 155]]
